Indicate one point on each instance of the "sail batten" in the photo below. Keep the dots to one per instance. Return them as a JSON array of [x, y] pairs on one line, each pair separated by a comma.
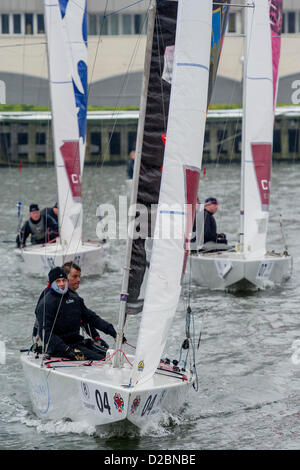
[[182, 163]]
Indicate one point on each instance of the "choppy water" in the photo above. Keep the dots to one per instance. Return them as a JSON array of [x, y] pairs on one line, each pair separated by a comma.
[[248, 394]]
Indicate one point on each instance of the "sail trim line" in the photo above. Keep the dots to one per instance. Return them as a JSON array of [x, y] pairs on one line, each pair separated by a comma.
[[191, 64]]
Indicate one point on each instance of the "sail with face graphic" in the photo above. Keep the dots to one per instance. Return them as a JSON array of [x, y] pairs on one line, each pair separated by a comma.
[[66, 33]]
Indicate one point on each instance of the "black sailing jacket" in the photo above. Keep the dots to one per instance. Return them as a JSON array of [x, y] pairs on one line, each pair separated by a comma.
[[65, 313]]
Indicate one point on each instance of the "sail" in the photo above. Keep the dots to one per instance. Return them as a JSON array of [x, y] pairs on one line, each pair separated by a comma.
[[156, 117], [258, 121], [67, 60], [179, 185]]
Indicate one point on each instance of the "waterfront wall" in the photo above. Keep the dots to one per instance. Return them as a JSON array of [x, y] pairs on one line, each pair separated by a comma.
[[27, 137]]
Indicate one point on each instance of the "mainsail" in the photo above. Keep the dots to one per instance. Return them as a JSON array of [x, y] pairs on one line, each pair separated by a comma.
[[179, 185], [66, 34], [260, 85], [156, 117]]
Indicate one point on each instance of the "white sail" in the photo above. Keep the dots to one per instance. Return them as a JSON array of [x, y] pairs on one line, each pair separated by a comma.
[[67, 59], [258, 120], [180, 176]]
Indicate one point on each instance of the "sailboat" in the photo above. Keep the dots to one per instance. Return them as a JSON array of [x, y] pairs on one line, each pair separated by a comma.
[[136, 388], [66, 33], [249, 264]]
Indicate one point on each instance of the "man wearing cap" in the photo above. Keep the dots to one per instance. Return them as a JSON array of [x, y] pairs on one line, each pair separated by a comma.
[[36, 226], [210, 226], [60, 313]]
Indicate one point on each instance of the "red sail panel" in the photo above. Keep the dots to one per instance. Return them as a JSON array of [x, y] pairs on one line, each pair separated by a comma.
[[192, 176], [262, 158], [71, 157]]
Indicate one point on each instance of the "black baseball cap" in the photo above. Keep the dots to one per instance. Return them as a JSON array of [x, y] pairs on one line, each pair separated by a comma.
[[211, 200], [33, 207]]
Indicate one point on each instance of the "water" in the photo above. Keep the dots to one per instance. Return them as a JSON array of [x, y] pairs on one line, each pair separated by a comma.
[[248, 394]]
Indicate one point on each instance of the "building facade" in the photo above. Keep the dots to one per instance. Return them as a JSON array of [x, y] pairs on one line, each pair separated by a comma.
[[116, 43]]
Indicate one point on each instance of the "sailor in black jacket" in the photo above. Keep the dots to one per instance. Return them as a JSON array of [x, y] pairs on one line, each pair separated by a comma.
[[210, 226], [60, 313]]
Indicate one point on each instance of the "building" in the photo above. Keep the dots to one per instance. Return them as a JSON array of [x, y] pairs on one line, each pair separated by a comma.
[[116, 52], [116, 42]]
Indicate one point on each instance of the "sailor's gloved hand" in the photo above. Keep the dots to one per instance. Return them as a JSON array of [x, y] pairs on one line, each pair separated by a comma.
[[101, 342], [123, 341], [74, 354]]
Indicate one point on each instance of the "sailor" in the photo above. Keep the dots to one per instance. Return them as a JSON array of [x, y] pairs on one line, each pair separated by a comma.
[[51, 217], [210, 226], [34, 226], [60, 313], [73, 272]]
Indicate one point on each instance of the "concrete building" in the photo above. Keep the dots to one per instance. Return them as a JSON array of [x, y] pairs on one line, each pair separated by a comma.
[[116, 44]]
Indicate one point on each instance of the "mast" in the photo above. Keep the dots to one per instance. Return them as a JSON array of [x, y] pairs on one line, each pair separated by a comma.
[[244, 78], [137, 164]]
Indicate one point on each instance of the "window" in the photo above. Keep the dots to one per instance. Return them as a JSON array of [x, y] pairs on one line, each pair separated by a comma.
[[93, 25], [40, 138], [126, 24], [277, 141], [222, 136], [5, 143], [22, 138], [238, 143], [293, 140], [28, 23], [206, 148], [232, 23], [114, 24], [291, 17], [5, 24], [17, 24], [40, 24], [137, 24], [115, 143], [131, 138], [96, 144], [283, 22], [103, 25]]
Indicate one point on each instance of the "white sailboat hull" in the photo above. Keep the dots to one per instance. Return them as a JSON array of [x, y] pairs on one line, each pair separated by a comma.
[[39, 259], [98, 394], [223, 270]]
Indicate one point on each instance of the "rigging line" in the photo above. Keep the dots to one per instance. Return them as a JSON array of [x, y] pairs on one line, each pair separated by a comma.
[[115, 123], [125, 8], [101, 158]]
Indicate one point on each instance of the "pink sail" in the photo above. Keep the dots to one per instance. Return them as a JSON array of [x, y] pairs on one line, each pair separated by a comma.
[[276, 28]]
